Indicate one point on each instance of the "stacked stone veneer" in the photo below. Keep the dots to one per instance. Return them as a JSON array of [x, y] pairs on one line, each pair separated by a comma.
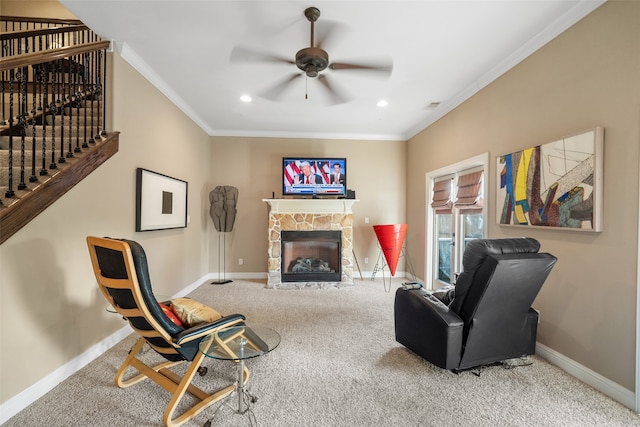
[[305, 222]]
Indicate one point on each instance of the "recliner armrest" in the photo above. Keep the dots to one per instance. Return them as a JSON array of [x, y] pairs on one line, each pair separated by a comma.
[[204, 329], [435, 309], [428, 327]]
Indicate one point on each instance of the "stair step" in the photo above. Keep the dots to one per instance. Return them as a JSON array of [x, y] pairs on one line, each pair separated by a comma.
[[73, 119], [8, 201], [68, 161], [49, 129], [28, 155], [59, 130], [28, 142], [83, 113], [27, 174]]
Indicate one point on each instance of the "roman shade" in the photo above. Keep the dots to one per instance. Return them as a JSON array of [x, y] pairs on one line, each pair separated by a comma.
[[468, 197], [441, 200]]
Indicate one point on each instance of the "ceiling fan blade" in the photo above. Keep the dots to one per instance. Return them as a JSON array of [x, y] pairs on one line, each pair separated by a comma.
[[246, 54], [327, 32], [275, 92], [381, 68], [336, 97]]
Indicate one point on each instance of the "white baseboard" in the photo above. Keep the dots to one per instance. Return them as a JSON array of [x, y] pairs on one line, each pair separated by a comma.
[[248, 275], [25, 398], [584, 374]]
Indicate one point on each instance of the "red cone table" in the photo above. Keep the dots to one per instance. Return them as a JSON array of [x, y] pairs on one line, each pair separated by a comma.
[[391, 238]]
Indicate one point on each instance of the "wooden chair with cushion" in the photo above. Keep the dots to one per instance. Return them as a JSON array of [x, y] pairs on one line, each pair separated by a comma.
[[173, 329]]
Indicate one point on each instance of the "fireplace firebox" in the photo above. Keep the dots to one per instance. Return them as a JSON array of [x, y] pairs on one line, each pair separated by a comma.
[[311, 256]]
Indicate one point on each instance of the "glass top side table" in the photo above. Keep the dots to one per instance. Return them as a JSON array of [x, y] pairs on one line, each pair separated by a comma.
[[239, 343]]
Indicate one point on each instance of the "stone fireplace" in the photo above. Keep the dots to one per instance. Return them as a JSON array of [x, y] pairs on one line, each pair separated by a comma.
[[307, 215]]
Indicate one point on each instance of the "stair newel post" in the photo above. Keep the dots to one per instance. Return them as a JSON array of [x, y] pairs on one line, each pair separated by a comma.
[[22, 123], [52, 112], [10, 192]]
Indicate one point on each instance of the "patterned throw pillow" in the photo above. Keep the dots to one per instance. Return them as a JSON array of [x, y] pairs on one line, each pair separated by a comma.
[[171, 315], [192, 312]]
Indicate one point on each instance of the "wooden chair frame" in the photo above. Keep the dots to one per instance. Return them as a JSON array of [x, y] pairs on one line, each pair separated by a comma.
[[161, 374]]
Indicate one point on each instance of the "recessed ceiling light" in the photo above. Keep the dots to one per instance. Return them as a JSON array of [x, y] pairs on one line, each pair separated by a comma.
[[382, 103], [245, 98]]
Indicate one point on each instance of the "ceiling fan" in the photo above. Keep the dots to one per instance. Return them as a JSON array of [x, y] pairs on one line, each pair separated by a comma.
[[312, 61]]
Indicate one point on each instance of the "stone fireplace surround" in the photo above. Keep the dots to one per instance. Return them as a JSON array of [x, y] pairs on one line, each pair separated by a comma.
[[309, 214]]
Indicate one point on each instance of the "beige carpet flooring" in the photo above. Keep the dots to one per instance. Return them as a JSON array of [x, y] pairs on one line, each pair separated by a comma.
[[338, 365]]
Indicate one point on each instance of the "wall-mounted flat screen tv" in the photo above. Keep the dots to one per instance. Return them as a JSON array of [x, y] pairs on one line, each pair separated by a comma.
[[314, 176]]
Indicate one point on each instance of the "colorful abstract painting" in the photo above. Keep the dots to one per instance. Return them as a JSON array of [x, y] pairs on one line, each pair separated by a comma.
[[558, 184]]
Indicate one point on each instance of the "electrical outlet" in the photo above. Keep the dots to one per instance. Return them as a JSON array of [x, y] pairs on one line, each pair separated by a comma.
[[366, 220], [366, 260], [240, 261]]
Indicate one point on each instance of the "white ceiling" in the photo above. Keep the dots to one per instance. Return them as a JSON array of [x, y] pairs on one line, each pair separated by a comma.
[[442, 51]]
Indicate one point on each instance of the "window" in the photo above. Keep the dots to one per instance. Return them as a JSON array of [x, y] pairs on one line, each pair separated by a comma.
[[468, 208], [455, 217], [443, 227]]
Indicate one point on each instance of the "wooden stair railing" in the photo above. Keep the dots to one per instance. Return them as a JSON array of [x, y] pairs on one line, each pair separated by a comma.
[[52, 124]]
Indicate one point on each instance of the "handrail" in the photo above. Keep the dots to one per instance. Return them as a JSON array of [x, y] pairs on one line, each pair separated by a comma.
[[41, 32], [49, 55], [40, 20]]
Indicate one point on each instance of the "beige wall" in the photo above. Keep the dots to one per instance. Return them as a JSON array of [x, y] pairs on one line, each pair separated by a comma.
[[35, 9], [588, 76], [376, 171], [50, 307]]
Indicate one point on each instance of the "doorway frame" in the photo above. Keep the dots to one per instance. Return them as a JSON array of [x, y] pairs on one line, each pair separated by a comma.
[[475, 161]]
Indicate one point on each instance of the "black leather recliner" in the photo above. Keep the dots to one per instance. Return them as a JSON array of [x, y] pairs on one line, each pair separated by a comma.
[[487, 317]]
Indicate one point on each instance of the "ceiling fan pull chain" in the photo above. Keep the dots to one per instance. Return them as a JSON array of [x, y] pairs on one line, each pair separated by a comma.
[[306, 87]]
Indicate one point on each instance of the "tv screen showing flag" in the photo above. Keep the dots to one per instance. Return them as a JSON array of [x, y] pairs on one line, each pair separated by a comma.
[[314, 176]]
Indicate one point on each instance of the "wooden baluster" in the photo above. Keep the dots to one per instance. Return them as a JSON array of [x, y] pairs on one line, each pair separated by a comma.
[[22, 123], [10, 192], [34, 111], [102, 89], [52, 112], [45, 107], [61, 102]]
